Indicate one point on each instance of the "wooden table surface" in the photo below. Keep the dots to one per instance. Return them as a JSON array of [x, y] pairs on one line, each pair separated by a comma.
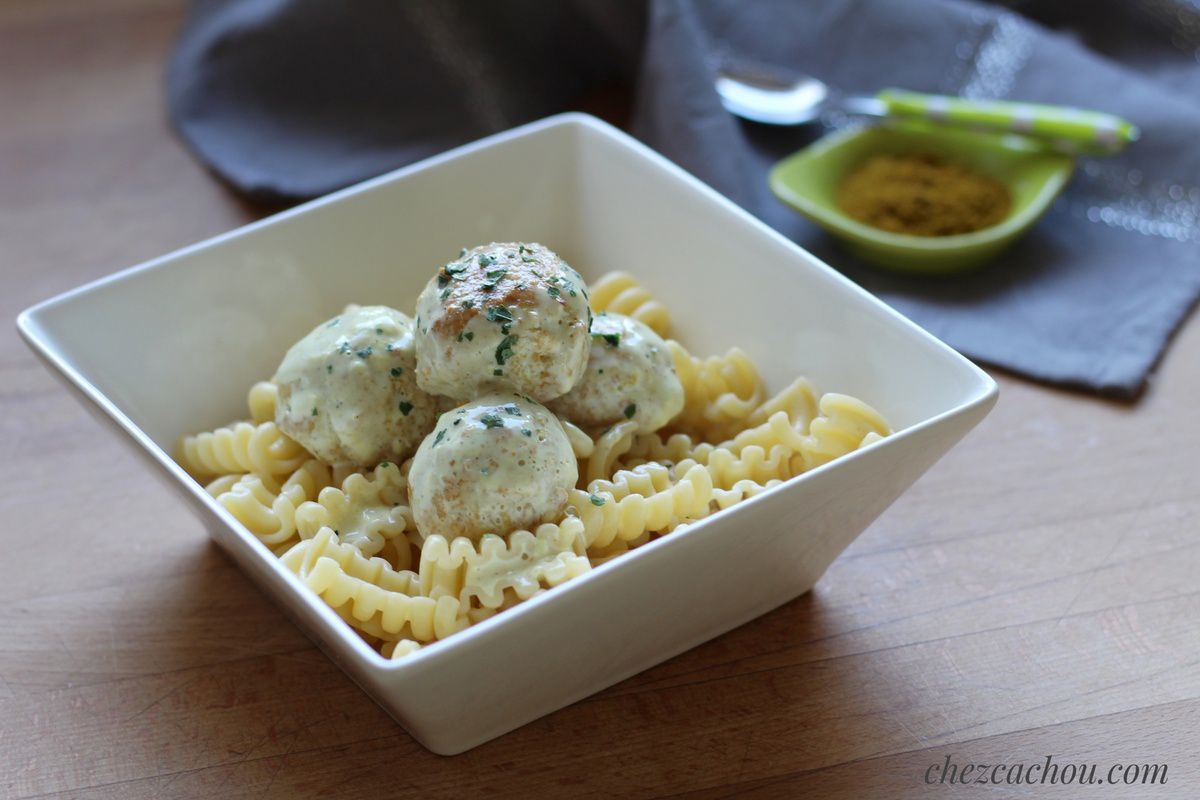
[[1034, 594]]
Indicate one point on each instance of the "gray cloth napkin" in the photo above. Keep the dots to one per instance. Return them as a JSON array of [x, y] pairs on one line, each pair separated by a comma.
[[294, 98]]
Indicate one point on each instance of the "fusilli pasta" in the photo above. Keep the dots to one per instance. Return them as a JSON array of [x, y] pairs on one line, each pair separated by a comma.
[[621, 293]]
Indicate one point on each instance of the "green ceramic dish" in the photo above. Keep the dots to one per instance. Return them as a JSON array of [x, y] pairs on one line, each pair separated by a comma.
[[808, 182]]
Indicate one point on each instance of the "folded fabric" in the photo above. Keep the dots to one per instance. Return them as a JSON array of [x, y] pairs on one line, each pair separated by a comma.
[[294, 98]]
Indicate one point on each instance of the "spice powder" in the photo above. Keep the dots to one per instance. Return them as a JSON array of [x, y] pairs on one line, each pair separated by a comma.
[[922, 195]]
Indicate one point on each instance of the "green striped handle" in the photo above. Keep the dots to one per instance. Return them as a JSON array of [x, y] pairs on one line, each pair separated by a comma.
[[1070, 130]]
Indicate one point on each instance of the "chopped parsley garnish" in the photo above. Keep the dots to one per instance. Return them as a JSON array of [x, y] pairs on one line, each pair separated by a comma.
[[493, 277], [468, 335], [486, 260], [468, 303], [553, 291], [405, 407], [440, 435], [379, 331], [504, 350], [596, 499], [462, 253], [613, 339], [526, 432], [451, 272], [445, 293], [500, 313], [397, 372], [630, 410], [521, 248], [497, 371], [458, 422], [365, 352], [314, 411], [492, 421], [516, 412], [329, 368], [530, 260]]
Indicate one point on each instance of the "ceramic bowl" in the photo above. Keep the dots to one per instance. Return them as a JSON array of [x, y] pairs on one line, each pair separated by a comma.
[[809, 179], [171, 346]]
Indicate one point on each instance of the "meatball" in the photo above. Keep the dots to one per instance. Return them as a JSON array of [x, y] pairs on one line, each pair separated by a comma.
[[503, 317], [348, 390], [630, 375], [495, 465]]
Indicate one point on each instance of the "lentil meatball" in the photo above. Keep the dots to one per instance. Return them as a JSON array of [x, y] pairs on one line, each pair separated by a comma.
[[503, 316], [348, 391], [630, 375], [495, 465]]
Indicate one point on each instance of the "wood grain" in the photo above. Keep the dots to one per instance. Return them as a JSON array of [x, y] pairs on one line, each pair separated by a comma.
[[1034, 594]]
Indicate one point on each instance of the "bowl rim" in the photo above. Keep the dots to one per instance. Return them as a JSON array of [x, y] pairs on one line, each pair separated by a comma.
[[847, 227], [40, 339]]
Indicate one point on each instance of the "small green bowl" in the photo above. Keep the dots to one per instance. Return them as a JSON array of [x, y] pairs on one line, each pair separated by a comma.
[[809, 179]]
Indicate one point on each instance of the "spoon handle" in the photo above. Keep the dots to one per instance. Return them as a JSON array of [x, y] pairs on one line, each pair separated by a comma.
[[1070, 130]]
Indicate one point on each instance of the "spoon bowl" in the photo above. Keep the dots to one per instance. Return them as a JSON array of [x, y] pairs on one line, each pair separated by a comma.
[[763, 97]]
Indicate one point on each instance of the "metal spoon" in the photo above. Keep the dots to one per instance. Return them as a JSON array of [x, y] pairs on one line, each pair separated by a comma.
[[771, 97]]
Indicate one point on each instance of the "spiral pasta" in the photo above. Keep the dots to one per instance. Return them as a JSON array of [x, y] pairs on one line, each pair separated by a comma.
[[844, 425], [242, 447], [607, 450], [720, 392], [371, 595], [350, 537], [621, 293], [366, 511], [522, 562], [270, 512], [394, 651], [606, 518], [262, 399]]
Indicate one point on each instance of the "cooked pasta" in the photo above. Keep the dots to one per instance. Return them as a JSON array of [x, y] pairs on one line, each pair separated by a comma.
[[242, 447], [270, 513], [403, 581], [720, 392], [366, 511], [621, 293]]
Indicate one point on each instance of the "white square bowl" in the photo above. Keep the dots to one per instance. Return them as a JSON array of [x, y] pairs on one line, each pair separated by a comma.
[[171, 347]]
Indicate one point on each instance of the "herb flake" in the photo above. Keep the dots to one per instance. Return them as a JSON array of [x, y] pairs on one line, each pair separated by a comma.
[[499, 313], [504, 350], [613, 339]]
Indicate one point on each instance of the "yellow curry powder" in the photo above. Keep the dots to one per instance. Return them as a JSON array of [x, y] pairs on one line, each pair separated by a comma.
[[922, 195]]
